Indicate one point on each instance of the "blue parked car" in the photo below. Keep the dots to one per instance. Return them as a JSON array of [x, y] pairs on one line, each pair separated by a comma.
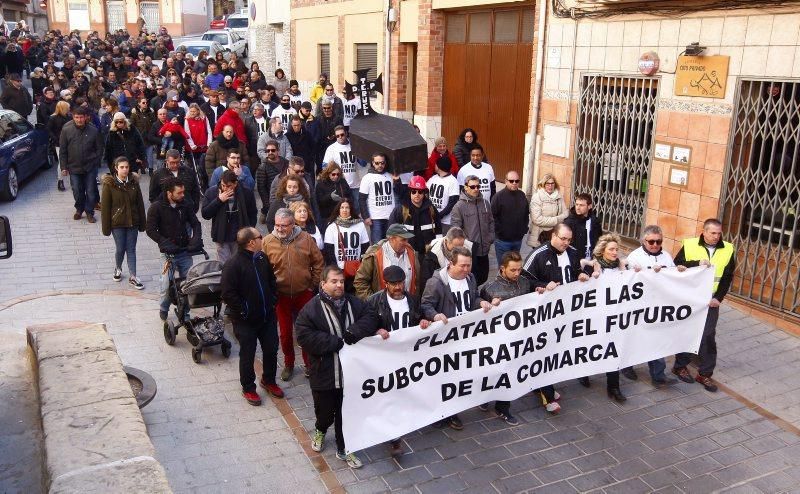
[[23, 151]]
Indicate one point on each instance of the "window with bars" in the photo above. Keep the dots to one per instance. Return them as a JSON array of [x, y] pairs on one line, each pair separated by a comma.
[[367, 58], [613, 145], [79, 15], [325, 59]]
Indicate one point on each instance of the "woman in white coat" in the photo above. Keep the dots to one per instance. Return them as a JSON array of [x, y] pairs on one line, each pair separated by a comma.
[[547, 210]]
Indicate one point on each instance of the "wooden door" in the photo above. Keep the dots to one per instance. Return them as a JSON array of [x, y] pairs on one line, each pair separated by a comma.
[[487, 82]]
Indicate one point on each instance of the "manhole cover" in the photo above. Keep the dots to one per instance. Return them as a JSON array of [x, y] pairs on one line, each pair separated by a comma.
[[142, 384]]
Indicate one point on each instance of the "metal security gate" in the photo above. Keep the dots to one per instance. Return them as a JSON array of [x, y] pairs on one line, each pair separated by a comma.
[[152, 15], [616, 127], [761, 193], [115, 11]]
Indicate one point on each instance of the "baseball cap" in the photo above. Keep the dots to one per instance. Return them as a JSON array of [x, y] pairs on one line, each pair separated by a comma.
[[394, 274], [398, 230]]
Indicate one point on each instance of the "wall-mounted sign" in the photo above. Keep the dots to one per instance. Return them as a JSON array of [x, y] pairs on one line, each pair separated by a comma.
[[678, 176], [702, 76], [649, 63]]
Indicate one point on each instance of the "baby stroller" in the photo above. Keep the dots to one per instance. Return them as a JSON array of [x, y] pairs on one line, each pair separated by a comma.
[[200, 289]]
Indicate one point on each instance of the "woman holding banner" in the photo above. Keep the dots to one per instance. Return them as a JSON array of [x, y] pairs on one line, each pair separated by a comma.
[[606, 258]]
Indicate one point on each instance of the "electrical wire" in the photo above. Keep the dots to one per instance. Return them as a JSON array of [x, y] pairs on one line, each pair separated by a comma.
[[669, 8]]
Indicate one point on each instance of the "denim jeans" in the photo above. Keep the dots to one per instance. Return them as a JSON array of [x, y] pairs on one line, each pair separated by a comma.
[[125, 242], [149, 152], [181, 264], [225, 250], [378, 230], [84, 190], [502, 246]]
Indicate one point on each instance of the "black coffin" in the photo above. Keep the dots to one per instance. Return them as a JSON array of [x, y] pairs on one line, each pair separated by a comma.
[[405, 149]]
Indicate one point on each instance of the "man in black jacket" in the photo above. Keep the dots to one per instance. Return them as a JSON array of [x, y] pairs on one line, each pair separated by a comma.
[[81, 149], [510, 211], [586, 227], [303, 145], [396, 309], [249, 289], [212, 108], [174, 168], [552, 264], [16, 97], [230, 208], [323, 326], [169, 221]]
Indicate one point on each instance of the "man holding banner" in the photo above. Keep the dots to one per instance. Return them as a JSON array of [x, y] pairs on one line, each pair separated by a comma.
[[508, 284], [449, 293], [552, 264], [707, 250], [323, 326], [396, 309]]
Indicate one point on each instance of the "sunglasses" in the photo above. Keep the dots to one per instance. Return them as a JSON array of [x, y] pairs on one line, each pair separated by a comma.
[[549, 183], [473, 187], [378, 162], [417, 191], [334, 174], [512, 181], [272, 150], [339, 135], [258, 237], [655, 242]]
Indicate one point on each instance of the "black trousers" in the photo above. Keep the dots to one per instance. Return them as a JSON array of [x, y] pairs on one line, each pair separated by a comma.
[[328, 410], [480, 268], [249, 336], [708, 347]]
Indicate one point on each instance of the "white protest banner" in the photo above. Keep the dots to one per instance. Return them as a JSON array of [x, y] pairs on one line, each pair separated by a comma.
[[417, 377]]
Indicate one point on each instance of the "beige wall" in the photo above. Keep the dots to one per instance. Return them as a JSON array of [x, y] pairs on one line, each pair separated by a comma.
[[362, 28], [313, 32]]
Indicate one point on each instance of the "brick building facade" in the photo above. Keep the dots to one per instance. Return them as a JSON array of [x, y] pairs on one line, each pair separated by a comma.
[[613, 132]]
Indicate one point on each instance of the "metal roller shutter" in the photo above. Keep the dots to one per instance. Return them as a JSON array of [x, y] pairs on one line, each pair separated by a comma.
[[367, 58], [325, 59]]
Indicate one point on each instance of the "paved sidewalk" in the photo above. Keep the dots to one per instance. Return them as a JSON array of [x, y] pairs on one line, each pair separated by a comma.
[[206, 436]]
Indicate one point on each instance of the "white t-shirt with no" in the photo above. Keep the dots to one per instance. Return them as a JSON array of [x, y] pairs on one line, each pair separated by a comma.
[[352, 238], [564, 266], [461, 295], [351, 108], [485, 173], [380, 194], [344, 157], [401, 314], [284, 115], [440, 189]]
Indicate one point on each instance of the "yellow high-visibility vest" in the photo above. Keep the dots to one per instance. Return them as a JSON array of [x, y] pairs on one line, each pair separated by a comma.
[[694, 251]]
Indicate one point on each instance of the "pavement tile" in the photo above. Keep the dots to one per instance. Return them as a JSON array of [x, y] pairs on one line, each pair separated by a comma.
[[736, 473], [407, 478], [731, 455], [523, 463], [629, 469], [594, 461], [591, 480], [451, 483], [562, 487], [631, 486], [665, 477], [555, 472], [704, 483], [480, 477], [516, 483]]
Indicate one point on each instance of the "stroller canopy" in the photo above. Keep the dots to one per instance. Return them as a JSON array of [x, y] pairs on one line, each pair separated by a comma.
[[203, 277]]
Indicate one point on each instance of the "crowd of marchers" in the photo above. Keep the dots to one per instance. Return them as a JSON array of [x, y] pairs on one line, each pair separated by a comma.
[[319, 247]]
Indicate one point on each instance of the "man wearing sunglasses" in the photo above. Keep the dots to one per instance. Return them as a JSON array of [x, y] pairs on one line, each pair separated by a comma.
[[473, 214], [586, 227], [377, 196], [650, 255], [510, 211]]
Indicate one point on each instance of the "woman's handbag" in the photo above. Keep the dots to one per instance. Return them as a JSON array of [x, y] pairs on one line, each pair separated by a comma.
[[350, 267]]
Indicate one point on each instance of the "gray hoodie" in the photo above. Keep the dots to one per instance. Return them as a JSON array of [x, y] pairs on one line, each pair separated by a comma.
[[474, 216]]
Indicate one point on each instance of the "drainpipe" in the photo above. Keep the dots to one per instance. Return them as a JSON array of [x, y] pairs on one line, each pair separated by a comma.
[[531, 170], [387, 61]]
